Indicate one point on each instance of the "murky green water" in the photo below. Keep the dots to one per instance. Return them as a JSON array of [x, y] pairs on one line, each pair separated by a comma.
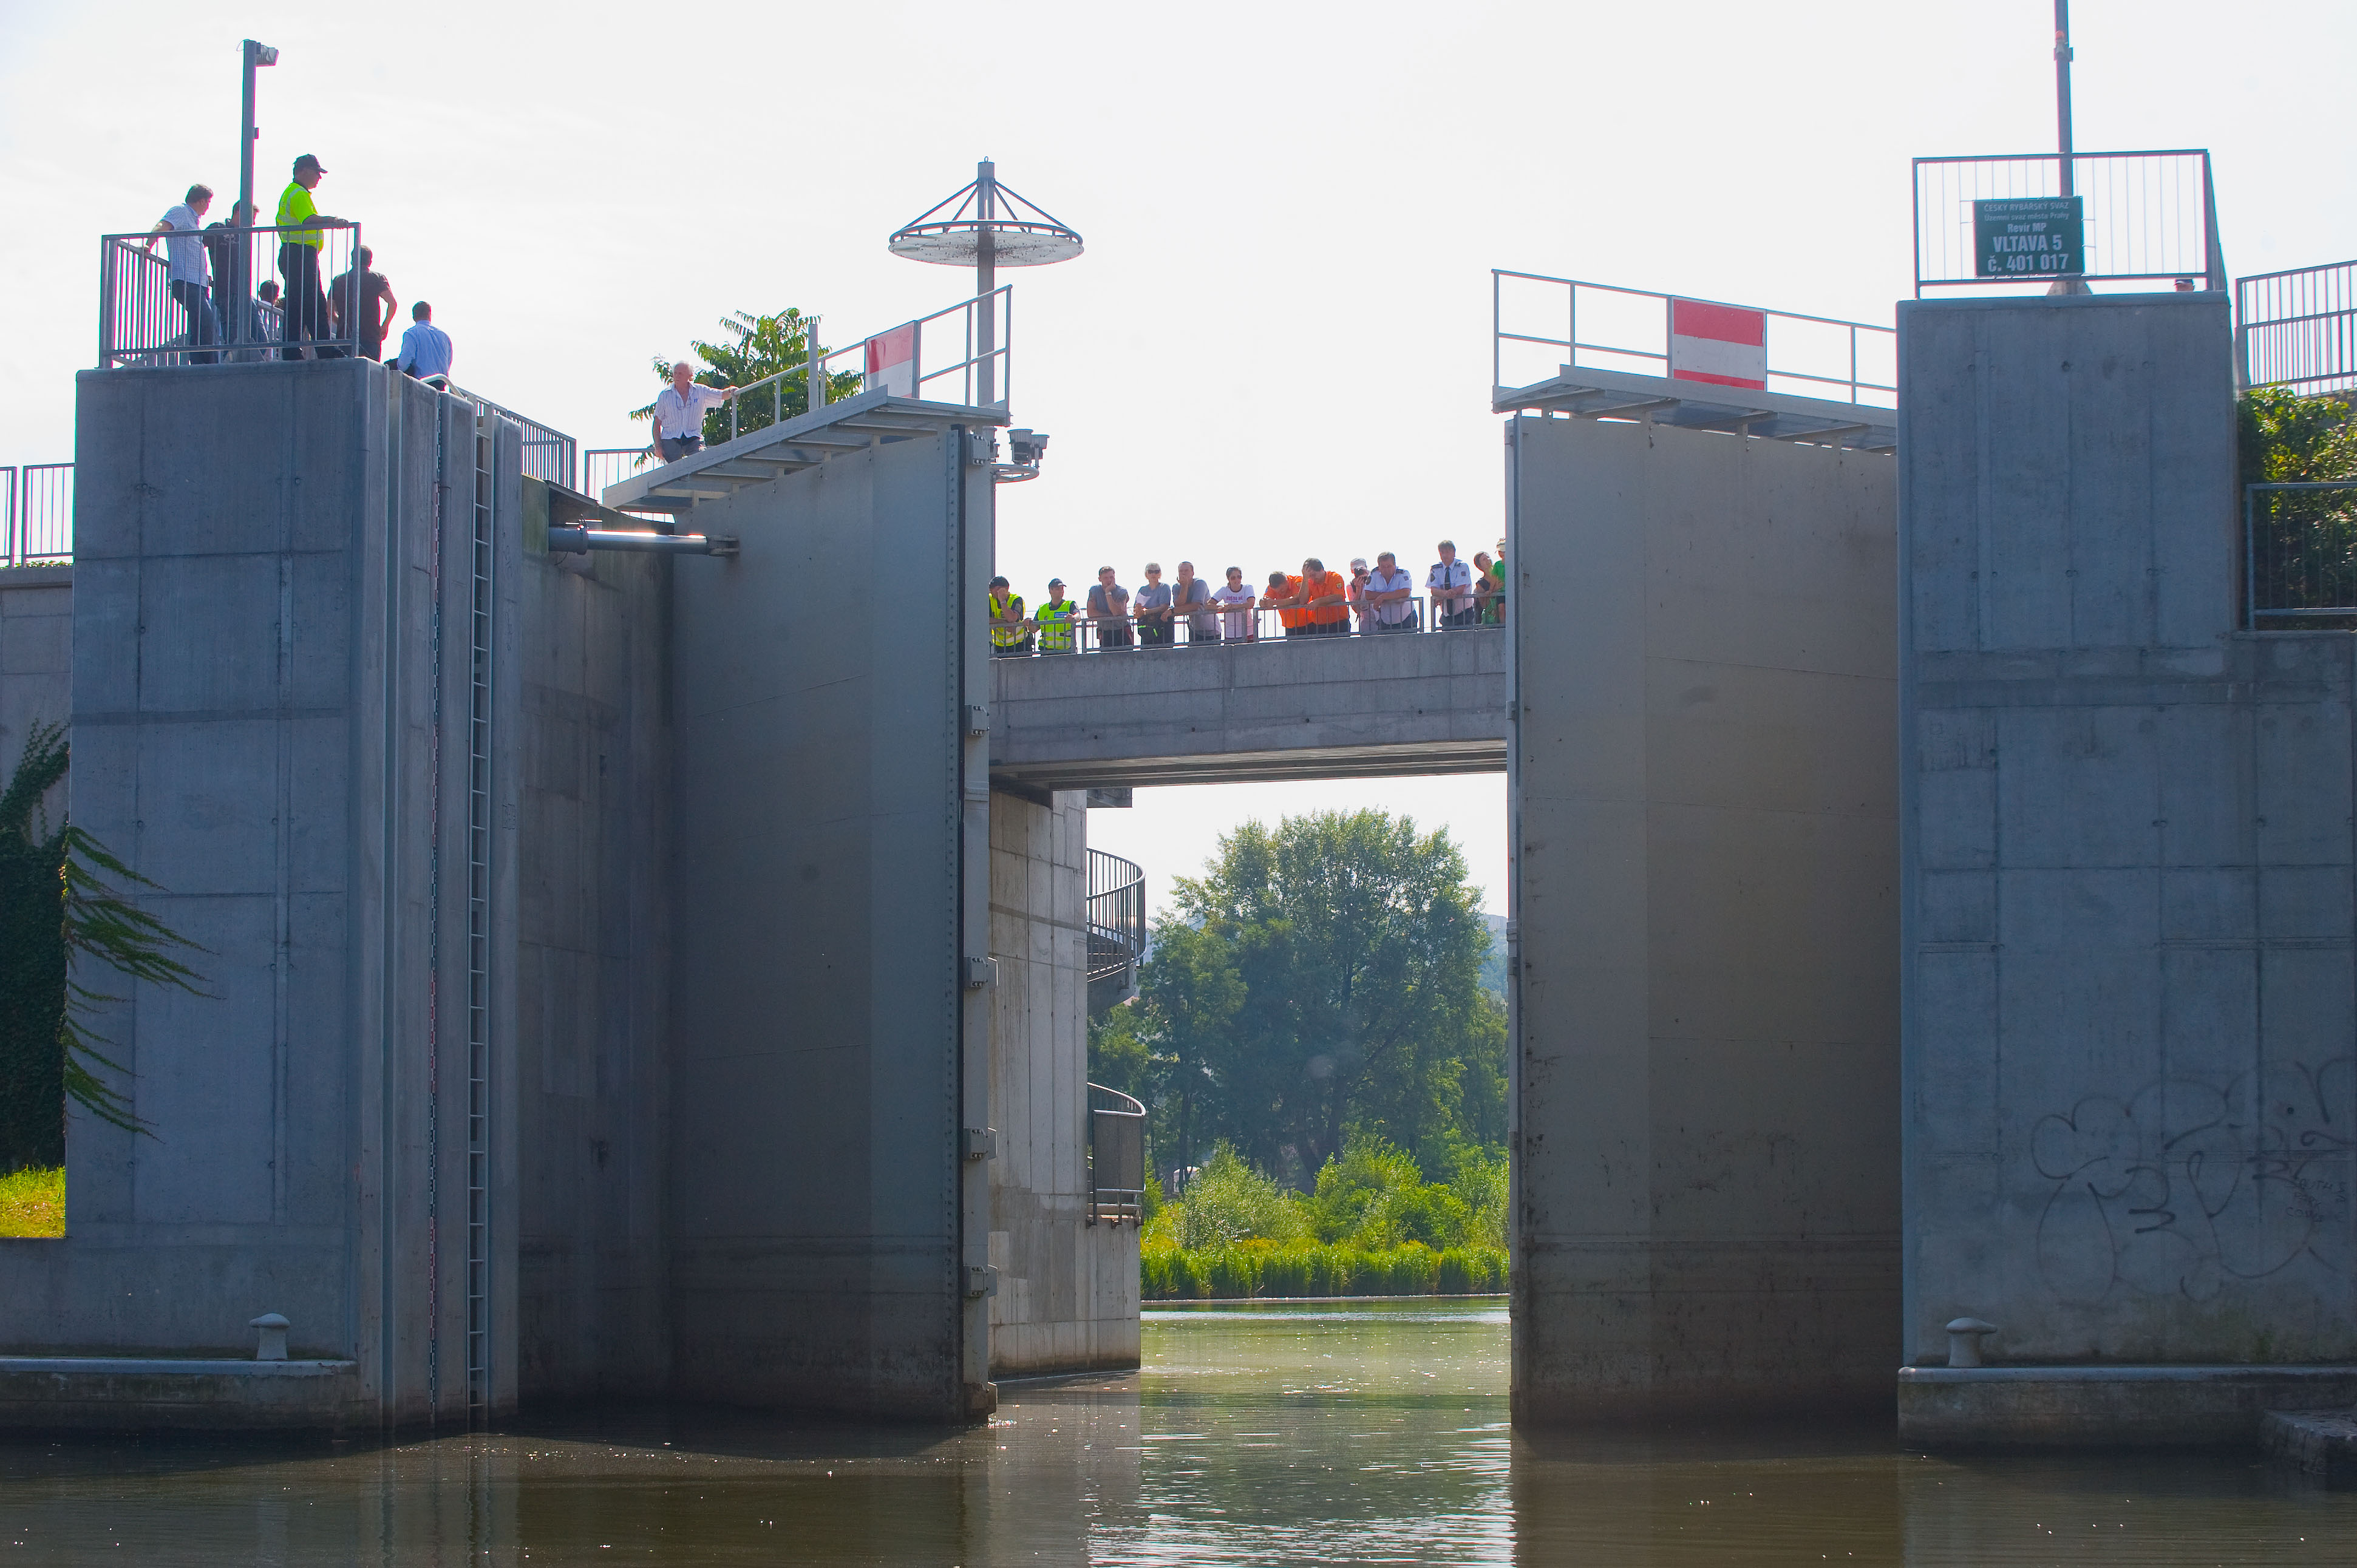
[[1367, 1433]]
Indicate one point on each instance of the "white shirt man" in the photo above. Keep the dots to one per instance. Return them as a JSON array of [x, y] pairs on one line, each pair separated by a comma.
[[679, 413], [1235, 602], [187, 270], [1387, 593], [1450, 586]]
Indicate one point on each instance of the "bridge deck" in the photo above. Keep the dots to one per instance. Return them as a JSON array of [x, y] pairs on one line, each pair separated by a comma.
[[1319, 708]]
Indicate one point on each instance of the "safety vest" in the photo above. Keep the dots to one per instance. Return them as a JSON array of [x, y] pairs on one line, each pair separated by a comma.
[[1003, 635], [1055, 626], [294, 205]]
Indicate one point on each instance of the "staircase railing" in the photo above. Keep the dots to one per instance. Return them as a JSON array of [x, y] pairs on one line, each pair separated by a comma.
[[1117, 1155], [1116, 922]]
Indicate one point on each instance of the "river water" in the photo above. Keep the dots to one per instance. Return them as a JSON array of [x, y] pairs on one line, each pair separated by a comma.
[[1370, 1432]]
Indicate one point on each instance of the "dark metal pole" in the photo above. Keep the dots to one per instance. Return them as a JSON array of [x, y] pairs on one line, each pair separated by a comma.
[[239, 286], [2062, 90]]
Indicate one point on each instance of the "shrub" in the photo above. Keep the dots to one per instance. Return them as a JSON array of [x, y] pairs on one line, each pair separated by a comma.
[[1260, 1268]]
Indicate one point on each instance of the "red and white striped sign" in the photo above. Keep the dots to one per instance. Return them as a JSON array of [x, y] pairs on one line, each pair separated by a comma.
[[892, 362], [1722, 344]]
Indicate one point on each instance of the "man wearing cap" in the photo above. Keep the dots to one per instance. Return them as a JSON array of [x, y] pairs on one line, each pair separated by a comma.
[[306, 304], [1054, 620]]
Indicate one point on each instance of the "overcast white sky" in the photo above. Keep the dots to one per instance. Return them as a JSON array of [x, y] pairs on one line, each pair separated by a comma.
[[1277, 343]]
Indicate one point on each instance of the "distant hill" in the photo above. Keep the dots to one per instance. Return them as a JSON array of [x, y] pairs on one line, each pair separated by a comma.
[[1493, 968]]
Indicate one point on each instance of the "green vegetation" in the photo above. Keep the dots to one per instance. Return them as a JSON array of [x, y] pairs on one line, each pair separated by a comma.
[[2305, 541], [759, 346], [1372, 1226], [1318, 982], [33, 1202], [58, 910]]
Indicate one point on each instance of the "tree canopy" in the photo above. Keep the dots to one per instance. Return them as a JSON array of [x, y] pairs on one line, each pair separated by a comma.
[[758, 346], [1321, 980]]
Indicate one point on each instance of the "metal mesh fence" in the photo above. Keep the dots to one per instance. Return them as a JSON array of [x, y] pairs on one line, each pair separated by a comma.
[[2299, 552]]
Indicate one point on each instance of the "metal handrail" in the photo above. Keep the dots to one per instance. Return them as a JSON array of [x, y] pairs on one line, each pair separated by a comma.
[[2150, 215], [1000, 301], [1123, 634], [1117, 1157], [39, 506], [1115, 914], [547, 452], [2298, 328], [144, 323], [1854, 383]]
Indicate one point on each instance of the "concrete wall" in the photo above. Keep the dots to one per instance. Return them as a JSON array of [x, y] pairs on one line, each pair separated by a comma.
[[1068, 1291], [36, 653], [253, 710], [2128, 888], [832, 823], [1705, 896], [593, 967], [1311, 708]]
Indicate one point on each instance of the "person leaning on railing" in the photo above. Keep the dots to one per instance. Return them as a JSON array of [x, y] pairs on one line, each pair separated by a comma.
[[1054, 620], [306, 309], [1010, 631], [1109, 610], [679, 412], [1386, 596], [1450, 586], [187, 270]]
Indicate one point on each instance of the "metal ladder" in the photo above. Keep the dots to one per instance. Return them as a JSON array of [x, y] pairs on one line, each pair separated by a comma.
[[478, 924]]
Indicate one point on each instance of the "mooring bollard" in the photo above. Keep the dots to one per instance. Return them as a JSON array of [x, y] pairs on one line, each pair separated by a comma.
[[1965, 1340], [274, 1338]]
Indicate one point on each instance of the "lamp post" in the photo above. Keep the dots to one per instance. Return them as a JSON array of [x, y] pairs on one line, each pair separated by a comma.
[[241, 220], [988, 225], [2062, 91]]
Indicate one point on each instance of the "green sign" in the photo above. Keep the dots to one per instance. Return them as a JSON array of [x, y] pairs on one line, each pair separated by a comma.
[[2029, 236]]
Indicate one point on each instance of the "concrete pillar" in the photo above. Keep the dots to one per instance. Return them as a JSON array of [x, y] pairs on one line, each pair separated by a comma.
[[1705, 891], [2127, 888], [1068, 1291], [256, 729]]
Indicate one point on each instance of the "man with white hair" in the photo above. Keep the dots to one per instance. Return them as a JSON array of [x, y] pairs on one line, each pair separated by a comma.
[[679, 413]]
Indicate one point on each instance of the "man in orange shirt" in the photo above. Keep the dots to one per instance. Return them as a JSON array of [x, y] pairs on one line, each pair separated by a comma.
[[1326, 596]]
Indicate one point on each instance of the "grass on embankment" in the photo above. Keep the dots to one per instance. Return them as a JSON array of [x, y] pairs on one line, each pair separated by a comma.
[[32, 1203], [1259, 1268]]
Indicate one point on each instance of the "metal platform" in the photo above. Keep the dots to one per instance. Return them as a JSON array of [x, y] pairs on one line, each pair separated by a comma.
[[1588, 394], [870, 419]]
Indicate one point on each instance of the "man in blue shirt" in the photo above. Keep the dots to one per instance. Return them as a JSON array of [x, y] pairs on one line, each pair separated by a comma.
[[424, 349]]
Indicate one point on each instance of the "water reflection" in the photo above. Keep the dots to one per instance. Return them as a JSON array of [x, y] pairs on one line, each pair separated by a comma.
[[1372, 1434]]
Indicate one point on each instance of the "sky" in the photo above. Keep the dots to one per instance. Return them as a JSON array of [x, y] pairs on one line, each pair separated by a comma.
[[1277, 342]]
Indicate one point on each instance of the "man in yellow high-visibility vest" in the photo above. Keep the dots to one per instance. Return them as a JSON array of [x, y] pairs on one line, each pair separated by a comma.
[[301, 223], [1010, 634], [1055, 619]]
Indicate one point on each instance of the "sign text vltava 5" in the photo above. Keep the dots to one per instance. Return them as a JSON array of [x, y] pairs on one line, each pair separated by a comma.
[[2029, 236]]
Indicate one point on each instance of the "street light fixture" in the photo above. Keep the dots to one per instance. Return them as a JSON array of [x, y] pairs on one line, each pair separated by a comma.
[[238, 289]]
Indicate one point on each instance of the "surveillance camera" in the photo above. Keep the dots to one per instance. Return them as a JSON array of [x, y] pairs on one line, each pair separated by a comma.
[[1027, 446]]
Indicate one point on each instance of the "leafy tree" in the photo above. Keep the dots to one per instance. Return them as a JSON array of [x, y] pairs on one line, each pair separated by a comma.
[[1321, 979], [1229, 1202], [2289, 439], [759, 347], [2304, 542], [57, 911]]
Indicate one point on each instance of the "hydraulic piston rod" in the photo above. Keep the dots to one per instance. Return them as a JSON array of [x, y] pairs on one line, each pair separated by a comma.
[[571, 539]]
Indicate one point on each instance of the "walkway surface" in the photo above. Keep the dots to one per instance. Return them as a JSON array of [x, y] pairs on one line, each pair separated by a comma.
[[1346, 707]]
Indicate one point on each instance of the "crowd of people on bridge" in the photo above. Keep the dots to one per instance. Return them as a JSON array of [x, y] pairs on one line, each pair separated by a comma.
[[206, 266], [1190, 612]]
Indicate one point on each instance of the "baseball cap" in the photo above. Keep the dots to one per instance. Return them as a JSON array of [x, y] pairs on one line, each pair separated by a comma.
[[313, 159], [1055, 581]]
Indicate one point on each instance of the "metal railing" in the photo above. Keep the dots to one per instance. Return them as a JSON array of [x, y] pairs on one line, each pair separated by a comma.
[[1607, 327], [547, 453], [2145, 216], [145, 320], [36, 513], [1241, 627], [915, 380], [2299, 552], [1116, 916], [1116, 1156], [2299, 329]]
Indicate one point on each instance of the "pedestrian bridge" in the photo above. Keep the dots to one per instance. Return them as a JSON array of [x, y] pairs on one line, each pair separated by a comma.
[[1328, 707]]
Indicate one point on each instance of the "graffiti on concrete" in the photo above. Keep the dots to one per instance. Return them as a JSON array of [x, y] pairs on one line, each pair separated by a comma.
[[2185, 1188]]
